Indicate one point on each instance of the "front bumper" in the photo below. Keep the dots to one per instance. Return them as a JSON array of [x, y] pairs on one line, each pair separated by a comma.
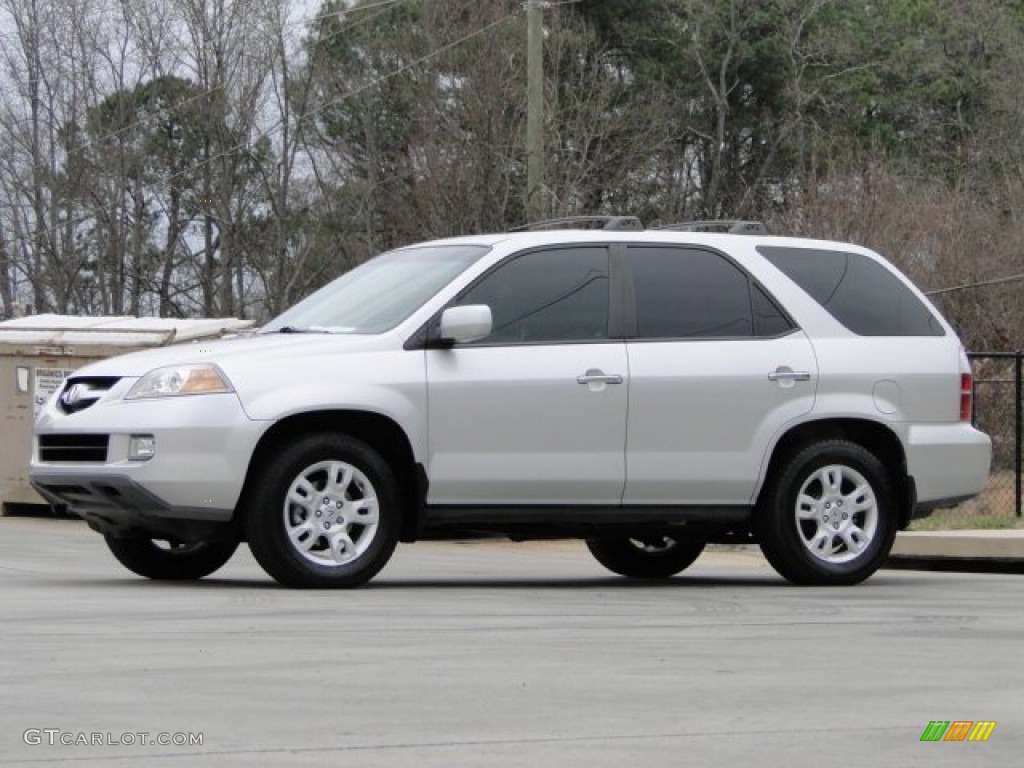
[[118, 506], [203, 447]]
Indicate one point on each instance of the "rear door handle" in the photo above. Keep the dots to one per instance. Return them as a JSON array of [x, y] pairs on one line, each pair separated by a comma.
[[597, 376], [787, 375]]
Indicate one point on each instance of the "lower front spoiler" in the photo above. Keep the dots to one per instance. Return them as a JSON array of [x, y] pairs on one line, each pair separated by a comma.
[[116, 505]]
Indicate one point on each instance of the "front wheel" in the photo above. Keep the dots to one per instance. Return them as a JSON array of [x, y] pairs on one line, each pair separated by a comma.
[[829, 516], [170, 561], [325, 513], [649, 557]]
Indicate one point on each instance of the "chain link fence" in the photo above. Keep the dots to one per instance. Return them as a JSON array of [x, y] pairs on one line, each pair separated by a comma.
[[997, 411]]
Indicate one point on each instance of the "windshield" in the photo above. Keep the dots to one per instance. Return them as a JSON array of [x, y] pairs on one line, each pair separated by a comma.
[[378, 294]]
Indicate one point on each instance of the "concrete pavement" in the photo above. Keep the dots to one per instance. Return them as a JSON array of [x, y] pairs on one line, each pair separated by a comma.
[[499, 655]]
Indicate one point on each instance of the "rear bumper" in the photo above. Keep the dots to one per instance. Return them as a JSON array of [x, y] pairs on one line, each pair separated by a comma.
[[948, 462]]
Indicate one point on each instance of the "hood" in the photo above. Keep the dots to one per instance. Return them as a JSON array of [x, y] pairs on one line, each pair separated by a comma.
[[269, 348]]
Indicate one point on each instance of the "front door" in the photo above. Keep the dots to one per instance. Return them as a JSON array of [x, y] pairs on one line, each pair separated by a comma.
[[536, 412]]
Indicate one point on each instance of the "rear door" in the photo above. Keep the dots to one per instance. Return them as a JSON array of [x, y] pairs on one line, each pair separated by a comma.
[[716, 369]]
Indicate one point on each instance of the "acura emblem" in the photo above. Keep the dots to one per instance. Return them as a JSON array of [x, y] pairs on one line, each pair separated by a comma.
[[74, 393]]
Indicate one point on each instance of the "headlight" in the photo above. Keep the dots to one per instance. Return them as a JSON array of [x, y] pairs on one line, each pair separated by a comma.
[[180, 380]]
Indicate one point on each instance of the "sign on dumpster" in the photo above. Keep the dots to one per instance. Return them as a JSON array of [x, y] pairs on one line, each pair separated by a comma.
[[46, 382]]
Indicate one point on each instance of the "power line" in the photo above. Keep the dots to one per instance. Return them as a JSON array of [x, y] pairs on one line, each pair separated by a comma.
[[280, 123], [342, 12], [377, 81], [980, 284], [147, 121]]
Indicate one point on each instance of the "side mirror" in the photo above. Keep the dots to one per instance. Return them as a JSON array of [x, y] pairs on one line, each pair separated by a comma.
[[464, 324]]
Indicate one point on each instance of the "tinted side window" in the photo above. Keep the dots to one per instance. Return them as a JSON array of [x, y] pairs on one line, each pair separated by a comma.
[[553, 295], [857, 291], [768, 318], [687, 293]]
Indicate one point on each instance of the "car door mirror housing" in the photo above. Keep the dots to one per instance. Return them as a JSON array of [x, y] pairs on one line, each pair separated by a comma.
[[465, 324]]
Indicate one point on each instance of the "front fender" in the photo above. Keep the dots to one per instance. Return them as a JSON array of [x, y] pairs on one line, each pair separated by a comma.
[[391, 384]]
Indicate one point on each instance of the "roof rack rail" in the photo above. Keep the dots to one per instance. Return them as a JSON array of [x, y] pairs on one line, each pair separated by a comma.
[[577, 222], [729, 226]]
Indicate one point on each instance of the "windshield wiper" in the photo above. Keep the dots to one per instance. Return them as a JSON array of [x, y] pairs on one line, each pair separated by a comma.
[[314, 329]]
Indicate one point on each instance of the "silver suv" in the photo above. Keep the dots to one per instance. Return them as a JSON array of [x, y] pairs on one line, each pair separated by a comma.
[[649, 391]]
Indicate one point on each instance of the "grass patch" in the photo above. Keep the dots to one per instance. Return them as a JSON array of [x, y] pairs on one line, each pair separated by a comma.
[[993, 509], [955, 520]]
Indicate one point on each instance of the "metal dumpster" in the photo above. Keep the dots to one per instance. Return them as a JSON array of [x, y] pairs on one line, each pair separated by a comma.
[[39, 351]]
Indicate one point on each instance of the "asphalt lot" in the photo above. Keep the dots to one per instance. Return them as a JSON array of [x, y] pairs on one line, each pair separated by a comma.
[[498, 654]]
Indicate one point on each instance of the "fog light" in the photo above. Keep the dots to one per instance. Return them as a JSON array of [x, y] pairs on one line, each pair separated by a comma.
[[141, 448]]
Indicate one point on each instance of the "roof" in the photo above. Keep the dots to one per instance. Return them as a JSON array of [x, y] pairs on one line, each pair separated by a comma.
[[123, 331]]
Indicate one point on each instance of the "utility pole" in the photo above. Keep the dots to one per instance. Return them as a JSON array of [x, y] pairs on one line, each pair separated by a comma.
[[534, 111]]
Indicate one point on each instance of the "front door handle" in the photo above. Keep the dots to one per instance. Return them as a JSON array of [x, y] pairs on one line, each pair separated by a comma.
[[597, 376], [784, 374]]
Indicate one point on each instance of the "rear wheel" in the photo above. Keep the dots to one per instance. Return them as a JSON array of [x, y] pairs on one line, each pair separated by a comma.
[[326, 513], [829, 516], [647, 557], [168, 561]]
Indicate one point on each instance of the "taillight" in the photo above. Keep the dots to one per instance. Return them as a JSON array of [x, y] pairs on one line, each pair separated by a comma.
[[966, 396]]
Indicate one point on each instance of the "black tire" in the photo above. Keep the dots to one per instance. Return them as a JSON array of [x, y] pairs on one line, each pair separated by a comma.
[[173, 562], [819, 547], [646, 557], [325, 527]]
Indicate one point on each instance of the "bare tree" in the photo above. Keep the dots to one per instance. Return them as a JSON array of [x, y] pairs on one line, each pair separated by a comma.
[[225, 45]]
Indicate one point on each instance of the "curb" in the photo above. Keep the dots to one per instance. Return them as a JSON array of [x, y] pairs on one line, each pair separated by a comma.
[[969, 551], [955, 564]]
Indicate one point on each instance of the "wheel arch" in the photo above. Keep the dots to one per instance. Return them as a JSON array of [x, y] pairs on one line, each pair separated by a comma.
[[380, 432], [877, 438]]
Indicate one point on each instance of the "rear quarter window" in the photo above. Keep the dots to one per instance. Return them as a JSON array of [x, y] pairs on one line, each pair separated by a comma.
[[856, 290]]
